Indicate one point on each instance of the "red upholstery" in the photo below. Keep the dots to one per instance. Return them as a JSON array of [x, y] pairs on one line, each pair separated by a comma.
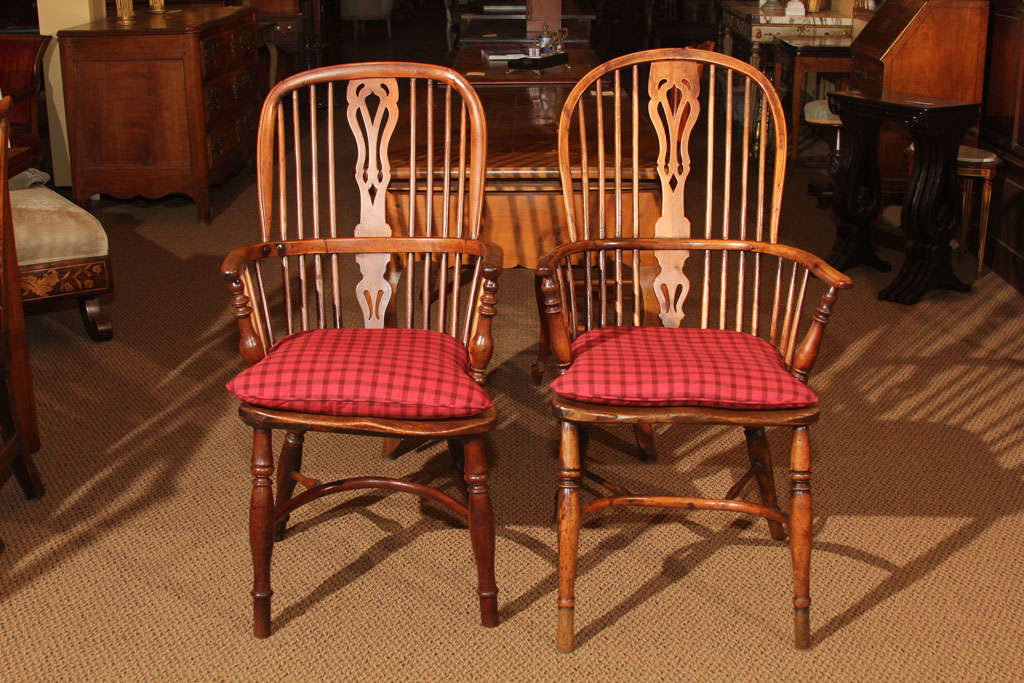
[[657, 366], [390, 373]]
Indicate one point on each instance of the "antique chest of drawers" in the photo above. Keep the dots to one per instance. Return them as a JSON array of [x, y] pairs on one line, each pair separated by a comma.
[[166, 104]]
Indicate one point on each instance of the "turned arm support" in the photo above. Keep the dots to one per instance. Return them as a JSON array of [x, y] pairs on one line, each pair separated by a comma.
[[480, 344]]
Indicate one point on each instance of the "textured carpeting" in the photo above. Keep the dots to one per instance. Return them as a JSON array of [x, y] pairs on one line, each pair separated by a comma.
[[135, 564]]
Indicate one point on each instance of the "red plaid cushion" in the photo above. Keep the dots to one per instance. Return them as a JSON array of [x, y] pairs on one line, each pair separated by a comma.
[[658, 366], [391, 373]]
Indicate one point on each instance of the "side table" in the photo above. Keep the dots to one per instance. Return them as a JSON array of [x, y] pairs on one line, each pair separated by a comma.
[[931, 204], [821, 55]]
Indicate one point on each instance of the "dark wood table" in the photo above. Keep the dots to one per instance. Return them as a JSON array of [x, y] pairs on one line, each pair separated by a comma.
[[470, 62], [808, 54], [931, 204]]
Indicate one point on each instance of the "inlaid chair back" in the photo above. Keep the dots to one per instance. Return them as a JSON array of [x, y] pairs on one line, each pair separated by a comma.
[[677, 144], [420, 148]]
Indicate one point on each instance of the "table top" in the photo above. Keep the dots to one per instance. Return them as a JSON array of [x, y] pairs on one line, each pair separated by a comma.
[[189, 20], [469, 61], [902, 100], [749, 11], [815, 46]]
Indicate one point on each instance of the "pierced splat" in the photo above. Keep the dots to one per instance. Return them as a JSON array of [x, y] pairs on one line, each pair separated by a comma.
[[673, 88], [372, 128]]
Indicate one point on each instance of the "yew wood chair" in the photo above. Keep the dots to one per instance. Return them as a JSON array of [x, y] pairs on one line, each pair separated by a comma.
[[733, 345], [416, 287], [19, 431]]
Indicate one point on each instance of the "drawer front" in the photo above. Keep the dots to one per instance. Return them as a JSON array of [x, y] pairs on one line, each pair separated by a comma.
[[223, 50], [231, 143], [287, 35], [230, 93]]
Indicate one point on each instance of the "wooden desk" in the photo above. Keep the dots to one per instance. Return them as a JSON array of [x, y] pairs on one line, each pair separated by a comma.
[[931, 203], [823, 55], [747, 22]]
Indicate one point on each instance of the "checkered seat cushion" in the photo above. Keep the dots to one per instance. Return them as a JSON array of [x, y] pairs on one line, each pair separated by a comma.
[[389, 373], [657, 366]]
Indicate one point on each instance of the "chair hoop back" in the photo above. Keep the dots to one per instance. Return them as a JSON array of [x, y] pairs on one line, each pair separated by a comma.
[[418, 173]]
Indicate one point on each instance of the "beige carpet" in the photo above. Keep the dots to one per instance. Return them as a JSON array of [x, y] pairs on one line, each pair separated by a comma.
[[135, 564]]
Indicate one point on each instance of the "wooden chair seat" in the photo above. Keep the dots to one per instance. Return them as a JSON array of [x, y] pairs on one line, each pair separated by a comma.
[[625, 366], [63, 253], [405, 374]]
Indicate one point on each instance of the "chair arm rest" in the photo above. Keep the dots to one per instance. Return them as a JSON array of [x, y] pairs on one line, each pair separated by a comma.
[[489, 253], [821, 269], [251, 345]]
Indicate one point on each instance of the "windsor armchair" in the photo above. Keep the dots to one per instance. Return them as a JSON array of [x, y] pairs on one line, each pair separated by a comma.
[[19, 432], [414, 355], [740, 359]]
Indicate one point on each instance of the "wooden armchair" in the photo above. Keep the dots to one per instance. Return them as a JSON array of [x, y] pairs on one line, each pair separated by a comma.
[[739, 350], [19, 431], [21, 58], [425, 300]]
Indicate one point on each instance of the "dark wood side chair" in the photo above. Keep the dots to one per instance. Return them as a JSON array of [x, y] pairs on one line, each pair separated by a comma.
[[413, 359], [19, 431], [21, 77], [733, 346]]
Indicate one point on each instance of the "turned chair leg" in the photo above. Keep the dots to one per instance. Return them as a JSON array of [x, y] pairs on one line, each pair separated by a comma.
[[261, 526], [569, 475], [967, 196], [288, 463], [761, 462], [800, 534], [481, 529], [986, 204], [643, 435]]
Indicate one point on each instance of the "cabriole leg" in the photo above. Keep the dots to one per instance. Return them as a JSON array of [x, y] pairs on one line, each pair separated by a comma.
[[289, 463], [800, 534], [481, 529], [261, 518], [761, 462], [568, 533]]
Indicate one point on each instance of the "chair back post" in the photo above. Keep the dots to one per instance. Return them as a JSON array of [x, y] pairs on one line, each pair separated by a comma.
[[19, 413], [419, 172], [628, 133]]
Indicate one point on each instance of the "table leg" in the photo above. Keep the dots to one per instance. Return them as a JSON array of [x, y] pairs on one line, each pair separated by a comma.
[[930, 210], [857, 194], [798, 94]]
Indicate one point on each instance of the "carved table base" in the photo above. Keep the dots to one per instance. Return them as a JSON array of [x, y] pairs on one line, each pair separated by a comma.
[[932, 201]]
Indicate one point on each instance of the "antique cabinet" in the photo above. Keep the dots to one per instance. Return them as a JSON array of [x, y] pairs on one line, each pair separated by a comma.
[[923, 47], [1002, 129], [166, 104]]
